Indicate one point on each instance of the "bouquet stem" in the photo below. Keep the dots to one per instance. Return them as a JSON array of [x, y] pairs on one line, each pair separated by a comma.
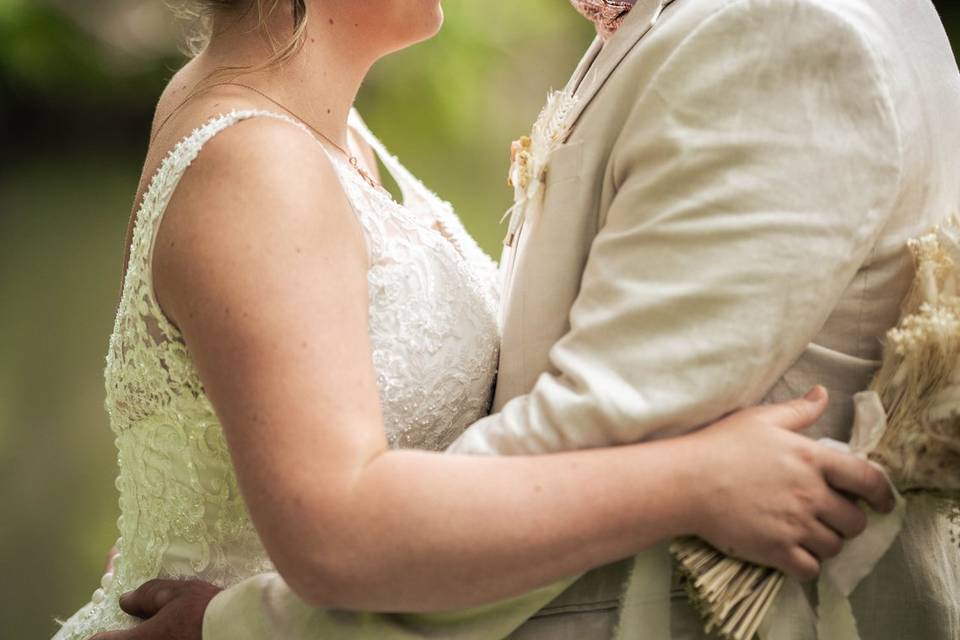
[[732, 595]]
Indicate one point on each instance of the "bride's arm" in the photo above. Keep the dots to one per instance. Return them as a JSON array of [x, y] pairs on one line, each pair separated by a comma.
[[262, 265]]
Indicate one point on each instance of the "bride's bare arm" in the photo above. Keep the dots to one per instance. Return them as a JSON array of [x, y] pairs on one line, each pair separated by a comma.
[[262, 264]]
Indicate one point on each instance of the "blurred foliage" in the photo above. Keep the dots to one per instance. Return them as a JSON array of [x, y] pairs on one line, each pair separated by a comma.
[[78, 81]]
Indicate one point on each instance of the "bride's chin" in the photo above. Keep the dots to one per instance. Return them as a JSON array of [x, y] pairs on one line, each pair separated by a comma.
[[404, 23], [432, 21], [439, 19], [425, 27]]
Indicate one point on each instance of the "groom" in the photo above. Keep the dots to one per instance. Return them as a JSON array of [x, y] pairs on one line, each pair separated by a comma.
[[724, 224]]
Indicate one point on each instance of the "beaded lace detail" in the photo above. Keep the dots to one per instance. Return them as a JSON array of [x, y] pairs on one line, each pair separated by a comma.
[[433, 297]]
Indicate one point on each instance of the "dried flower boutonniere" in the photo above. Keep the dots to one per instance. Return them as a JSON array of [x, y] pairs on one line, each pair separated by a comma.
[[529, 157]]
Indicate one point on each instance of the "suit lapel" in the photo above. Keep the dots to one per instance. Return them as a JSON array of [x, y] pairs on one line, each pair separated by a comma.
[[597, 64], [602, 59], [584, 67]]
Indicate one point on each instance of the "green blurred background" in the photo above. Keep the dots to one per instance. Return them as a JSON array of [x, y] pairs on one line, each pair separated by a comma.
[[78, 81]]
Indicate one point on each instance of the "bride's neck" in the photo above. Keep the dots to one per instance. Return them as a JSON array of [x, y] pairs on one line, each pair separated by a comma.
[[317, 84]]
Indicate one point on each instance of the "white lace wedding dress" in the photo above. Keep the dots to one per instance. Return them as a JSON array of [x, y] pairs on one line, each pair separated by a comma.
[[433, 329]]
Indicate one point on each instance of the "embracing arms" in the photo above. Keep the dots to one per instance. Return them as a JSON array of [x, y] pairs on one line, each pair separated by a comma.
[[771, 216], [266, 279]]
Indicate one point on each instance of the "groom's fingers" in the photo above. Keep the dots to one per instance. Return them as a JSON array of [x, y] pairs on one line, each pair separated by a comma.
[[846, 473], [152, 596]]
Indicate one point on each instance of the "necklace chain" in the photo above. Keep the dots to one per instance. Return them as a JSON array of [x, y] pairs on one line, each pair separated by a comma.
[[352, 160]]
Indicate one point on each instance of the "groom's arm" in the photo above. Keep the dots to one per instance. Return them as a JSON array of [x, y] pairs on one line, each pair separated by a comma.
[[753, 177], [265, 608]]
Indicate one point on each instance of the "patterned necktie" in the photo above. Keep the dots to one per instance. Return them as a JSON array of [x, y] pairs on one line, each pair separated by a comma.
[[607, 15]]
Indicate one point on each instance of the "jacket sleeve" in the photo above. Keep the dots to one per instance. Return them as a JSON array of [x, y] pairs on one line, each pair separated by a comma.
[[265, 608], [752, 178]]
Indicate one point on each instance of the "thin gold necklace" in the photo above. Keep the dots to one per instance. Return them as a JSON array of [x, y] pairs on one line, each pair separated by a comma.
[[352, 160]]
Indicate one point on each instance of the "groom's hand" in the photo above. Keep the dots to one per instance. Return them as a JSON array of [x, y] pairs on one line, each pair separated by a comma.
[[171, 609]]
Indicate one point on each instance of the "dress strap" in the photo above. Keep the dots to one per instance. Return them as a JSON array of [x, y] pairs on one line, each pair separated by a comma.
[[178, 160], [413, 189], [163, 185]]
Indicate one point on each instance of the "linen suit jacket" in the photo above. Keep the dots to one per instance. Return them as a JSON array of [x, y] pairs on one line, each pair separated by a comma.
[[725, 224]]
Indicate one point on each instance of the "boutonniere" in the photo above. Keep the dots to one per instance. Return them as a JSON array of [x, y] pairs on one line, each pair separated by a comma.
[[529, 157]]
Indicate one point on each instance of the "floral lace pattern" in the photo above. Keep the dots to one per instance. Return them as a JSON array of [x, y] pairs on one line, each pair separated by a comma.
[[433, 298]]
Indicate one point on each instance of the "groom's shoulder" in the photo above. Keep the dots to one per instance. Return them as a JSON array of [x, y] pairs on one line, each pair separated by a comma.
[[870, 52], [872, 19], [853, 11], [891, 33]]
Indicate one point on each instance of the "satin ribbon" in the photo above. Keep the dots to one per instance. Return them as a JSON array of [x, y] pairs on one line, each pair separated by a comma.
[[791, 616]]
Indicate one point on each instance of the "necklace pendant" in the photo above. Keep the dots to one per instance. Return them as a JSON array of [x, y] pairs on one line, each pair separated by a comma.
[[369, 179], [363, 173]]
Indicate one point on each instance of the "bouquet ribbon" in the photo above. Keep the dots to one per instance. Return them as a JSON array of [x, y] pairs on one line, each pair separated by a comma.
[[791, 616]]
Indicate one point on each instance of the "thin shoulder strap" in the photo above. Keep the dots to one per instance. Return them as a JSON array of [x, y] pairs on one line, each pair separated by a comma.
[[164, 183], [179, 159], [411, 187]]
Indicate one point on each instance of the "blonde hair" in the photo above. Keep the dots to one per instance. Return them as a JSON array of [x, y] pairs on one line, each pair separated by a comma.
[[198, 15]]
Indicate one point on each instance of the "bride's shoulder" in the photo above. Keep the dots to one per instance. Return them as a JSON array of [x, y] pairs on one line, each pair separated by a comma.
[[259, 196], [255, 153], [255, 188], [251, 162]]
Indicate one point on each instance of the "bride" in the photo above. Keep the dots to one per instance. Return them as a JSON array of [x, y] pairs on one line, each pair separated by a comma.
[[293, 349]]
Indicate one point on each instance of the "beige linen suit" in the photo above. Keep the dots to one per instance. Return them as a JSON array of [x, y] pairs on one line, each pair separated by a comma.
[[725, 224]]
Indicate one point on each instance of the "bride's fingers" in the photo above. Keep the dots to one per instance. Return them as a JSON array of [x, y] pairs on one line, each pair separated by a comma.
[[152, 596], [843, 516], [801, 564], [849, 474], [113, 635], [822, 541]]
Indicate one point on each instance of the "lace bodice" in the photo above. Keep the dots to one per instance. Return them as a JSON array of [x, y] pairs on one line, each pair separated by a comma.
[[433, 295]]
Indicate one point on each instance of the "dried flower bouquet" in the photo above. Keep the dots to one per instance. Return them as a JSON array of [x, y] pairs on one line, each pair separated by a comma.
[[918, 385]]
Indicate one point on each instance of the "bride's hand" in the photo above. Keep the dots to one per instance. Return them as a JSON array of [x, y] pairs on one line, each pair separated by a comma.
[[774, 497]]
